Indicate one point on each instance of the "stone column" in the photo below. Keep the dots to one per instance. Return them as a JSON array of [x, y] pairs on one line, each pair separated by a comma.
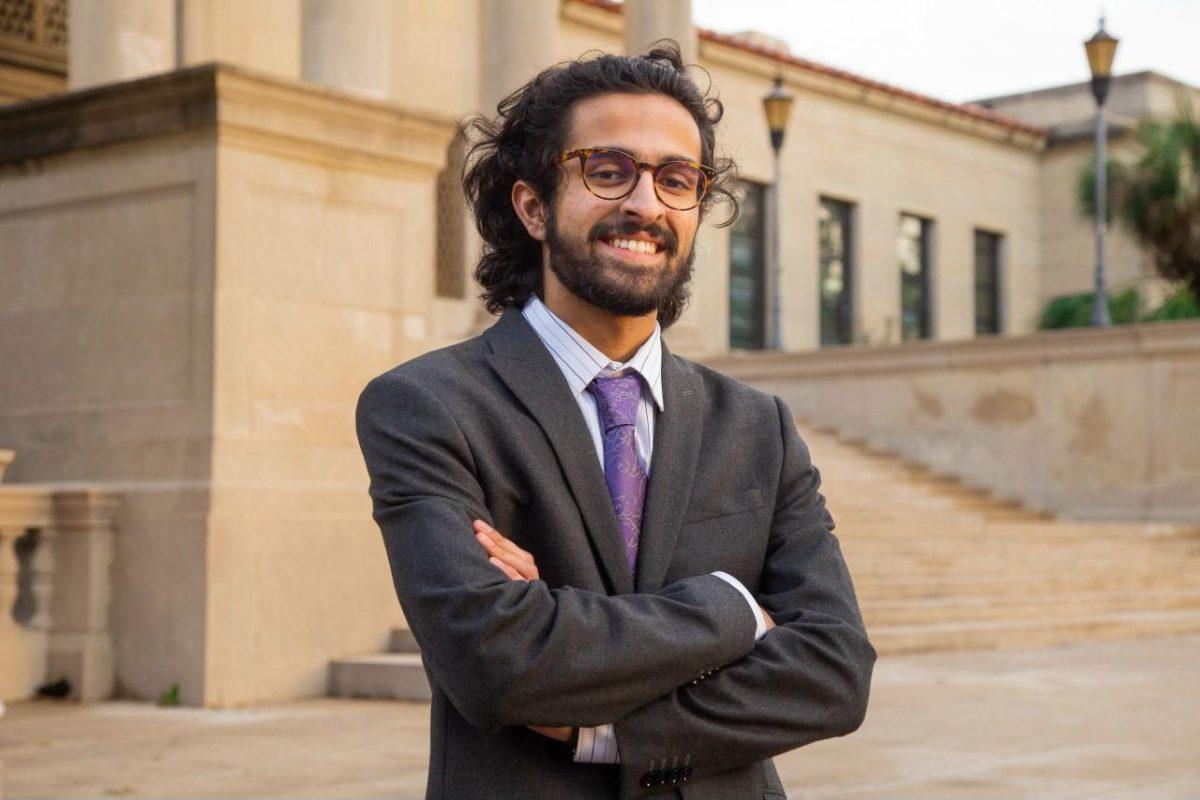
[[80, 643], [118, 40], [347, 45], [647, 21], [263, 35], [520, 39]]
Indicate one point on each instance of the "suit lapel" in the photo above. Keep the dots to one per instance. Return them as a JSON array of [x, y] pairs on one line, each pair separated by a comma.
[[530, 372], [677, 434]]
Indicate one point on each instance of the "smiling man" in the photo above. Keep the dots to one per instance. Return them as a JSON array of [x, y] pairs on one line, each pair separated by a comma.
[[617, 563]]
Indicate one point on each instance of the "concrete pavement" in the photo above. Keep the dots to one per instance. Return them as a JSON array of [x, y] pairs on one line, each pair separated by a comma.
[[1111, 720]]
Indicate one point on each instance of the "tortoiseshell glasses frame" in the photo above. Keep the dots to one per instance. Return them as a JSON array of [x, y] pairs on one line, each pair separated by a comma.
[[680, 185]]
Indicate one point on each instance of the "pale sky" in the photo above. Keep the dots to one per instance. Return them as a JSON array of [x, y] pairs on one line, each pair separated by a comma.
[[962, 50]]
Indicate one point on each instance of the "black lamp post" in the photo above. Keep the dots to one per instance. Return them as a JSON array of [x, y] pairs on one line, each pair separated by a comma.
[[1101, 50], [778, 107]]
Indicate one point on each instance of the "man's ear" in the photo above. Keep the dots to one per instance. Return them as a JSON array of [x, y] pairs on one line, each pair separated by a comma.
[[529, 208]]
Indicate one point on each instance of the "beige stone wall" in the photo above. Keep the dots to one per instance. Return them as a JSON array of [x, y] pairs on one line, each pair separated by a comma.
[[199, 305], [324, 280], [1085, 424], [107, 265]]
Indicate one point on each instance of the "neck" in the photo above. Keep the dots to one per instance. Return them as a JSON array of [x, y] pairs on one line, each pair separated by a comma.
[[618, 337]]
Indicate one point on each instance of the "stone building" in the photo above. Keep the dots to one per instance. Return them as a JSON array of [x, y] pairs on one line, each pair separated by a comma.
[[218, 219]]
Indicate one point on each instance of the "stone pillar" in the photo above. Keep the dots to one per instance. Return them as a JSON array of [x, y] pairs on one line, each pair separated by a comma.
[[647, 21], [520, 39], [118, 40], [263, 35], [347, 45], [80, 643]]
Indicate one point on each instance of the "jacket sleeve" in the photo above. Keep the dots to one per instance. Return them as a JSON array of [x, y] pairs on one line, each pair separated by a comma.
[[807, 679], [514, 652]]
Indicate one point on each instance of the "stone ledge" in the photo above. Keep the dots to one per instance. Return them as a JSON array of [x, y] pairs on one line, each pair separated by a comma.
[[242, 105], [1123, 341]]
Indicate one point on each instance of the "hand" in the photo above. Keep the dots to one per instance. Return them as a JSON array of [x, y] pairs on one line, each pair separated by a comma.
[[767, 617], [561, 734], [514, 562]]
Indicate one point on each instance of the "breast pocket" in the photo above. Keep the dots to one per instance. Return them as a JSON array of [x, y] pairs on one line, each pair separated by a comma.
[[725, 505]]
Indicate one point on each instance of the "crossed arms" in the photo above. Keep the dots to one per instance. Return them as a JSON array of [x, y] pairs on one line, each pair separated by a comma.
[[509, 652]]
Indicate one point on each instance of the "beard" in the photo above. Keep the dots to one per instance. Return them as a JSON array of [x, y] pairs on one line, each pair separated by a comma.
[[619, 288]]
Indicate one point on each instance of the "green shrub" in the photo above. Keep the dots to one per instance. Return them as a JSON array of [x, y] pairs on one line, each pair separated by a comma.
[[1181, 305], [1075, 310]]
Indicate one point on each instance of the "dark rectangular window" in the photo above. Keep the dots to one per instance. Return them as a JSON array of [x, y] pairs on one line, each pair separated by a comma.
[[987, 282], [747, 323], [913, 248], [836, 271]]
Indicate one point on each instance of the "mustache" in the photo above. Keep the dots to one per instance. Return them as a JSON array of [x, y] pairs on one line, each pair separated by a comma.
[[629, 229]]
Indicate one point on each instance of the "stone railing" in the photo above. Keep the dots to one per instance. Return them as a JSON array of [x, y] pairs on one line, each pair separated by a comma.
[[1099, 424], [56, 548]]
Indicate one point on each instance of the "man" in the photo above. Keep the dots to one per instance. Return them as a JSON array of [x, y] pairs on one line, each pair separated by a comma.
[[616, 562]]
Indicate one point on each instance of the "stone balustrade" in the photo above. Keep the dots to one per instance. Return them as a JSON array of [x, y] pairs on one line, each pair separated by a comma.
[[56, 549]]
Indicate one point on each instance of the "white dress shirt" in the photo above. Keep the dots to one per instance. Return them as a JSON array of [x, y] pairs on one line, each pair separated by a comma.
[[580, 362]]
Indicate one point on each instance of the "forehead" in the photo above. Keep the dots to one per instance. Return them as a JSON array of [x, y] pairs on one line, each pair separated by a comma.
[[651, 126]]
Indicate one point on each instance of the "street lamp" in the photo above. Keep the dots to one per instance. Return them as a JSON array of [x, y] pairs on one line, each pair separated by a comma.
[[1101, 49], [778, 106]]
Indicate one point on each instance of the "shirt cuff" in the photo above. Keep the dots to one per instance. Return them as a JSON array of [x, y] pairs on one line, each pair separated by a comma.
[[760, 628], [597, 745]]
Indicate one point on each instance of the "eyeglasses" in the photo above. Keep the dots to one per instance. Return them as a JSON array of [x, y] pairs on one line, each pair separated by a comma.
[[612, 175]]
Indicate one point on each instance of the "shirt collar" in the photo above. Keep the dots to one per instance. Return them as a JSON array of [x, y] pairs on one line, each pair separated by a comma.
[[580, 361]]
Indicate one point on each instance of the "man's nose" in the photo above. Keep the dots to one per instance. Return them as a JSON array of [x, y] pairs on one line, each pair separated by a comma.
[[643, 202]]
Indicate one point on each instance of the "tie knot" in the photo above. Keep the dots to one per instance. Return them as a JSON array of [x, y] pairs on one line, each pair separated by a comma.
[[617, 399]]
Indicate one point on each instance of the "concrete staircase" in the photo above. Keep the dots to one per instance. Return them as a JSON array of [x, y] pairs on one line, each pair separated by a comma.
[[938, 566]]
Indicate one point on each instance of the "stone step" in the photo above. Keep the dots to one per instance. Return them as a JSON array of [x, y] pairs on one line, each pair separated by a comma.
[[998, 634], [1048, 606], [935, 530], [390, 676], [972, 569], [1032, 554], [870, 591]]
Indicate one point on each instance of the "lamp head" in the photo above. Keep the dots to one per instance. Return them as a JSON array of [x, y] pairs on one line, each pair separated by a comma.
[[778, 107]]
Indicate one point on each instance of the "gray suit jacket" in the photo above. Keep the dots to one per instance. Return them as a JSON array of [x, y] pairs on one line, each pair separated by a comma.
[[488, 429]]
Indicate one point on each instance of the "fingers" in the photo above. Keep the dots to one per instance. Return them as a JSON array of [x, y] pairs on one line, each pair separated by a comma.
[[767, 617], [501, 540], [503, 551], [507, 570]]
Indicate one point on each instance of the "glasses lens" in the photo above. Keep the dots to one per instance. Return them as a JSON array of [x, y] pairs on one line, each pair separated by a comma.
[[680, 184], [609, 174]]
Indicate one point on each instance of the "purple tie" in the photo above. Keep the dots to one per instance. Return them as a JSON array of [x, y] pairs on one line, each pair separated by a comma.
[[617, 400]]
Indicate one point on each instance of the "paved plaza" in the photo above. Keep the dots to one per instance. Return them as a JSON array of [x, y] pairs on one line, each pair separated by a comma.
[[1118, 719]]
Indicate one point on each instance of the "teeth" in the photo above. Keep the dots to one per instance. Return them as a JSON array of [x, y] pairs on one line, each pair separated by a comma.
[[635, 245]]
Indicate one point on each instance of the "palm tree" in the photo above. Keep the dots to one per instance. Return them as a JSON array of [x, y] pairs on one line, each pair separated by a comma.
[[1158, 196]]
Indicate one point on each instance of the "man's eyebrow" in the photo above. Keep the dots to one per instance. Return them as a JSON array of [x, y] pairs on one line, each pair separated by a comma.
[[629, 152]]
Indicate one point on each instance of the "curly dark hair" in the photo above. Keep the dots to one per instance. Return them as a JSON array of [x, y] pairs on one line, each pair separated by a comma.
[[530, 131]]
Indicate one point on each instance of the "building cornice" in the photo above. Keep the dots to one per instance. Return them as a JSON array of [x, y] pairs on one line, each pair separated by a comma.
[[246, 108]]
